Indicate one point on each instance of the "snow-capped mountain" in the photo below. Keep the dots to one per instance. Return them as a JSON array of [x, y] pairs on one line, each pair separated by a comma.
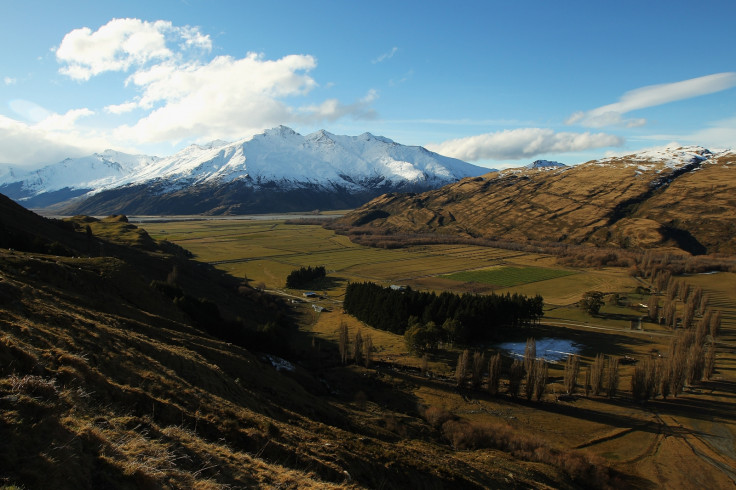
[[285, 156], [251, 175]]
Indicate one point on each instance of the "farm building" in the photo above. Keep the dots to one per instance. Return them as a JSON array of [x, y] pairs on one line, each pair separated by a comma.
[[309, 295]]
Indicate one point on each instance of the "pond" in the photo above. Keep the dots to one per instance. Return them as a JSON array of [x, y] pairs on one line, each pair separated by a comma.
[[550, 349]]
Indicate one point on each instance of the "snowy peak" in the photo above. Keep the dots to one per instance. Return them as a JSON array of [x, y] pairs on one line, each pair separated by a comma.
[[544, 164], [673, 157]]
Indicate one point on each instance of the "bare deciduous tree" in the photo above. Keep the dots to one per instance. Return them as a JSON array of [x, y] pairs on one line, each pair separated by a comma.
[[572, 368], [494, 373], [540, 378], [476, 377], [695, 364], [613, 376], [343, 341], [358, 348], [461, 370], [368, 350], [710, 361], [653, 307], [597, 370], [530, 353], [715, 324], [516, 374]]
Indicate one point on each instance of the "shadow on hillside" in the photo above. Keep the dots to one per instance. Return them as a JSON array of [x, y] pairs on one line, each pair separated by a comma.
[[327, 283]]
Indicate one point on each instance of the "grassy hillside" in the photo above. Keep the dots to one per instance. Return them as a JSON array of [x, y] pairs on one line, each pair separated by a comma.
[[622, 202]]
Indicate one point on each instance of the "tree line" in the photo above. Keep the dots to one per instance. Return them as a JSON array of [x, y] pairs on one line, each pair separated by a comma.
[[448, 316], [301, 277]]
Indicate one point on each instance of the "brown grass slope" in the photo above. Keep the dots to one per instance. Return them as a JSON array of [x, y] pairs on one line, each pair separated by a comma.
[[622, 202], [106, 383]]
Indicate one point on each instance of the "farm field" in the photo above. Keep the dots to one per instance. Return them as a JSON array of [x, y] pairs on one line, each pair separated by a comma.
[[505, 276], [682, 442]]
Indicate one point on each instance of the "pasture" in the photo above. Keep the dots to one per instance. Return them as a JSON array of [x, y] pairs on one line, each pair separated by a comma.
[[506, 276]]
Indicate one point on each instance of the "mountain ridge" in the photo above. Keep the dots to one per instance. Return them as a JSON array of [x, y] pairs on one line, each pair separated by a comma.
[[678, 197]]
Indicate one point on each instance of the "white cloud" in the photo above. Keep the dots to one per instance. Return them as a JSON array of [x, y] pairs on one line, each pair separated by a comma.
[[10, 80], [187, 97], [25, 144], [121, 44], [225, 98], [121, 108], [63, 122], [385, 56], [521, 143], [333, 109], [649, 96]]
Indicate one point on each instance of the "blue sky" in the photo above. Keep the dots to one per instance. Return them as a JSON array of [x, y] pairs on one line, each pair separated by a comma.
[[494, 83]]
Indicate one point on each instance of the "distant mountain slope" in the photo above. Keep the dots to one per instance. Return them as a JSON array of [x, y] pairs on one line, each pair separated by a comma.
[[680, 197], [69, 178], [279, 170]]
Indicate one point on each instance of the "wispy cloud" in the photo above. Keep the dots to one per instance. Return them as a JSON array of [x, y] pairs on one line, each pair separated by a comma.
[[385, 56], [650, 96], [521, 143], [10, 81], [393, 82]]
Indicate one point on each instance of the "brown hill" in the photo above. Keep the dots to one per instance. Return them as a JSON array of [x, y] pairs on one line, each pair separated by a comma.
[[683, 198]]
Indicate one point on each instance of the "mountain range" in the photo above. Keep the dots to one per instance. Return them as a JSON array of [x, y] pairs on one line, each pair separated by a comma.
[[683, 198], [276, 171]]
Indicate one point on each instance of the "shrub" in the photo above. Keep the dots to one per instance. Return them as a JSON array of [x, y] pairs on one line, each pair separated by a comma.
[[169, 290], [436, 416], [592, 302]]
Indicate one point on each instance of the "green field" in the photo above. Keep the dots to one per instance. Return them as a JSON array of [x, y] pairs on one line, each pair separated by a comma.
[[507, 276]]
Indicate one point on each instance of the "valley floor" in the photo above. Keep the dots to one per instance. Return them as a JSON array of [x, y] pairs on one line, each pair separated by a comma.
[[682, 442]]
